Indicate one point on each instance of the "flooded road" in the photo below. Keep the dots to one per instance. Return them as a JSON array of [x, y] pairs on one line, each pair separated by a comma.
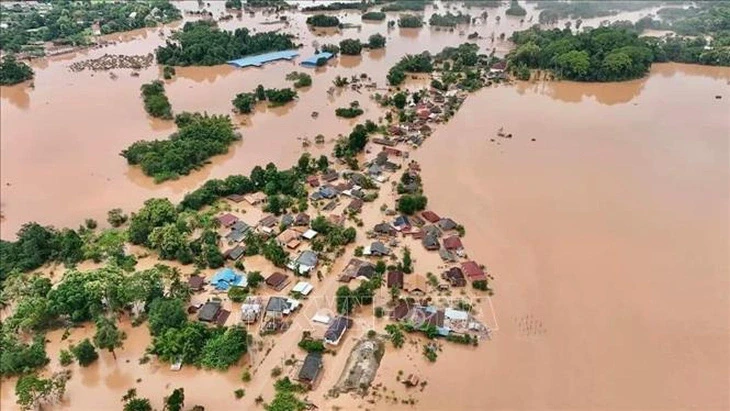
[[608, 237]]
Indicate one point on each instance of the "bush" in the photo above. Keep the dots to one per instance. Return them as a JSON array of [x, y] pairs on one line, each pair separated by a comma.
[[244, 102], [480, 285], [379, 312], [323, 20], [237, 294], [376, 41], [13, 72], [350, 47], [410, 21], [65, 358], [330, 48], [85, 353], [239, 393], [276, 371], [374, 15], [300, 79], [155, 101]]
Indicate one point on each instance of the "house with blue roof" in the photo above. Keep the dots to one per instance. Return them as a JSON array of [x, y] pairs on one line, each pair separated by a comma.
[[312, 61], [226, 278], [261, 59]]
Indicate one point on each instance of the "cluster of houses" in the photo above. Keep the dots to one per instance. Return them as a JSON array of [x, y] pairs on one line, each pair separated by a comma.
[[446, 321]]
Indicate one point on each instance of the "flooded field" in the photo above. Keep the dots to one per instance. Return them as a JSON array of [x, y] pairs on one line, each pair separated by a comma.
[[604, 220]]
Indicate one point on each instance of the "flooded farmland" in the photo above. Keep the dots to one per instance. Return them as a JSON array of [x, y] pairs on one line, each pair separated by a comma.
[[604, 219]]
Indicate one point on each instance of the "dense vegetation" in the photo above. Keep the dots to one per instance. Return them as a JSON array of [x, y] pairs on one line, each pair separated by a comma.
[[338, 5], [406, 5], [202, 43], [350, 47], [374, 15], [13, 71], [323, 20], [449, 19], [156, 102], [515, 9], [376, 41], [589, 9], [410, 21], [355, 142], [605, 53], [300, 79], [418, 63], [70, 22], [198, 138], [352, 111], [234, 4]]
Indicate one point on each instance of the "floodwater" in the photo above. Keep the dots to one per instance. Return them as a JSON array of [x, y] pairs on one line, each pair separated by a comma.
[[62, 135], [607, 235]]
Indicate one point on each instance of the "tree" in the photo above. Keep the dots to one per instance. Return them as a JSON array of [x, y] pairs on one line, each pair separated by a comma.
[[260, 93], [225, 349], [350, 47], [234, 4], [108, 336], [376, 41], [323, 163], [156, 212], [407, 263], [166, 313], [244, 102], [134, 403], [323, 20], [17, 357], [32, 391], [410, 203], [116, 217], [345, 300], [176, 400], [395, 334], [374, 15], [13, 72], [410, 21], [85, 353], [156, 102], [574, 64], [399, 100], [394, 293], [380, 267], [254, 279], [168, 240]]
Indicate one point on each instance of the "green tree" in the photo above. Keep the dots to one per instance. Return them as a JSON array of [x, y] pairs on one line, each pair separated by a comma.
[[399, 100], [254, 279], [244, 102], [156, 212], [376, 41], [13, 72], [134, 403], [395, 334], [323, 163], [166, 313], [225, 349], [573, 64], [116, 217], [345, 300], [176, 400], [410, 21], [260, 93], [411, 203], [108, 336], [33, 391], [407, 262], [85, 353], [350, 47]]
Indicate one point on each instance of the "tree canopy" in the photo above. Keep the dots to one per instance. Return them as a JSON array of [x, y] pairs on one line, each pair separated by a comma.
[[323, 20], [13, 71], [199, 137], [155, 101], [202, 43]]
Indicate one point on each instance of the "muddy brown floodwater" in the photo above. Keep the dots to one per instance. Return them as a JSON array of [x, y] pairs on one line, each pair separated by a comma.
[[607, 235]]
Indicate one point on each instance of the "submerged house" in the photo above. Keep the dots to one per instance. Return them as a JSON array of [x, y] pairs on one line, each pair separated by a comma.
[[384, 229], [277, 281], [311, 369], [251, 309], [455, 277], [357, 268], [305, 263], [395, 279], [227, 220], [473, 271], [227, 278], [336, 330], [377, 249]]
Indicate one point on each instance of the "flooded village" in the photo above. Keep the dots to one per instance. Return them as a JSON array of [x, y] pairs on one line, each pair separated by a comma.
[[498, 238]]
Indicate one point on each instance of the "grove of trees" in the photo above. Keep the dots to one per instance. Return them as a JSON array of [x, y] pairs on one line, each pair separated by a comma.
[[13, 71], [198, 138], [156, 102], [202, 43]]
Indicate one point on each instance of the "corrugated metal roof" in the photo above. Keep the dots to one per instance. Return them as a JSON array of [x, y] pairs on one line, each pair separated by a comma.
[[261, 59]]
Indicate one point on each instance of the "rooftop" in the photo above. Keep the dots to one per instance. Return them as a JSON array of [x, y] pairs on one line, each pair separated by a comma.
[[259, 60], [312, 61]]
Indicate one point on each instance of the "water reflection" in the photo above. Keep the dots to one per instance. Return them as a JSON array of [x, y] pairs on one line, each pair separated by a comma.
[[206, 74], [574, 92], [350, 61], [17, 95]]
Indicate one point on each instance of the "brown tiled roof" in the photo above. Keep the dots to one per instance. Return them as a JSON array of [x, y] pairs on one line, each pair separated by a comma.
[[455, 277], [196, 282], [277, 281], [400, 310], [430, 216], [473, 271], [453, 243], [395, 279], [227, 219]]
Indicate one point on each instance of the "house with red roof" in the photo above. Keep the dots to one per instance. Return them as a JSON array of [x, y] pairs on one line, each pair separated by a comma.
[[472, 270]]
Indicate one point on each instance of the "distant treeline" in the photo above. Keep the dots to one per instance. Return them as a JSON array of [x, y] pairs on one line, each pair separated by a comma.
[[338, 6], [70, 22], [605, 53], [198, 138], [202, 43]]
